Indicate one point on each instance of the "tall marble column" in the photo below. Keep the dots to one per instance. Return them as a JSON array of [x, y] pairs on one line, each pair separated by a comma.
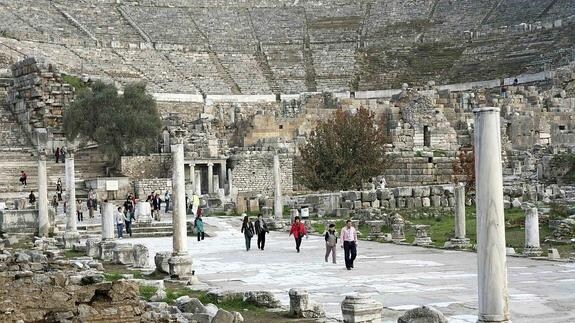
[[107, 221], [278, 203], [43, 218], [532, 246], [181, 262], [222, 175], [210, 178], [198, 188], [71, 235], [459, 241], [230, 182], [492, 269]]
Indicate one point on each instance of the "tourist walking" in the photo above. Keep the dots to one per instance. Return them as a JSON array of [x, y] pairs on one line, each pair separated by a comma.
[[199, 226], [90, 205], [128, 221], [120, 219], [57, 154], [23, 178], [55, 204], [349, 243], [167, 197], [79, 211], [129, 207], [330, 243], [261, 230], [32, 198], [298, 230], [59, 189], [248, 231], [156, 203]]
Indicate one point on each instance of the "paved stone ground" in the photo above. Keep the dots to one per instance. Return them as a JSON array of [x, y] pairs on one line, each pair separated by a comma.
[[401, 277]]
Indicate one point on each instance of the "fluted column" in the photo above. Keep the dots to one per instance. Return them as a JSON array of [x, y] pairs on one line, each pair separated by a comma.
[[180, 263], [492, 263], [278, 203], [71, 235], [210, 178], [43, 218], [532, 244]]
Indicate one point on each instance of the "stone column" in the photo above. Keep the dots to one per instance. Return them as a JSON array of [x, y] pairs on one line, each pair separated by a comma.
[[359, 308], [222, 175], [107, 221], [230, 182], [210, 178], [459, 241], [492, 269], [278, 203], [71, 236], [180, 263], [198, 183], [43, 218], [532, 246]]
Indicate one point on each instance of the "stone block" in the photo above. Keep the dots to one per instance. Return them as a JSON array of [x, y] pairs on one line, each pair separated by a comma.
[[386, 194], [376, 204], [422, 314], [365, 205], [451, 201], [437, 190], [392, 204], [301, 307], [444, 201], [421, 191], [357, 205], [254, 205], [141, 256], [123, 254], [368, 196], [417, 203], [553, 254], [262, 299], [180, 266], [93, 247], [187, 304], [223, 316], [410, 202], [161, 262], [385, 204], [400, 203], [107, 250], [358, 308], [351, 195], [402, 192], [347, 205]]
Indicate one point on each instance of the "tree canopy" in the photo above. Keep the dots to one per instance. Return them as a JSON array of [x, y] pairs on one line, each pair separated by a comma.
[[344, 151], [126, 124]]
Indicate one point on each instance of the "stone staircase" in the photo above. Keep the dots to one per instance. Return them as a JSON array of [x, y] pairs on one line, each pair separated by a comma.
[[18, 154]]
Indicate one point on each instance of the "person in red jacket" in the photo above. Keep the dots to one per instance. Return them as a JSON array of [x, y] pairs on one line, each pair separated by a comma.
[[298, 230]]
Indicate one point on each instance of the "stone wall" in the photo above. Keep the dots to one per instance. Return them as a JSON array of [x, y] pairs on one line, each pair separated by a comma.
[[19, 222], [140, 167], [143, 187], [253, 172], [389, 199], [38, 97]]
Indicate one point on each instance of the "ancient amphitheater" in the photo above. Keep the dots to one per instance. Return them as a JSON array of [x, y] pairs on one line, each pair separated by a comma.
[[284, 47]]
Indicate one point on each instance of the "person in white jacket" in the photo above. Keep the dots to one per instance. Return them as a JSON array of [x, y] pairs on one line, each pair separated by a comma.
[[120, 218]]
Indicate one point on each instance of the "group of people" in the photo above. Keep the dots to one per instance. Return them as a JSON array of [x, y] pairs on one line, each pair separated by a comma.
[[347, 237], [60, 154], [156, 202]]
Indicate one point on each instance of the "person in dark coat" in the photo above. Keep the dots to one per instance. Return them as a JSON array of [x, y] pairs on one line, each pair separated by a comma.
[[261, 230], [248, 231]]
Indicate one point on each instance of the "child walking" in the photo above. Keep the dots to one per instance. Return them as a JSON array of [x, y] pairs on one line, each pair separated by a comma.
[[330, 242]]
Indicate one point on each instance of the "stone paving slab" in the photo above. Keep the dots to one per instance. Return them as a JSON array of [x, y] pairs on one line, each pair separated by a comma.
[[401, 277]]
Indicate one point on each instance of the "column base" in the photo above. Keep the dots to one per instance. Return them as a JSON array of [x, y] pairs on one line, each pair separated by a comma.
[[71, 238], [423, 242], [180, 266], [458, 243], [532, 252]]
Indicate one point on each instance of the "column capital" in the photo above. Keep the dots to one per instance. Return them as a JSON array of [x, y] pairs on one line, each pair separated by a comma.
[[177, 136], [210, 164], [42, 154]]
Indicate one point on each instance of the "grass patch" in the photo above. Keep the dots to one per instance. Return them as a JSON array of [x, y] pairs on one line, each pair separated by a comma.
[[146, 292], [74, 82], [69, 254]]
